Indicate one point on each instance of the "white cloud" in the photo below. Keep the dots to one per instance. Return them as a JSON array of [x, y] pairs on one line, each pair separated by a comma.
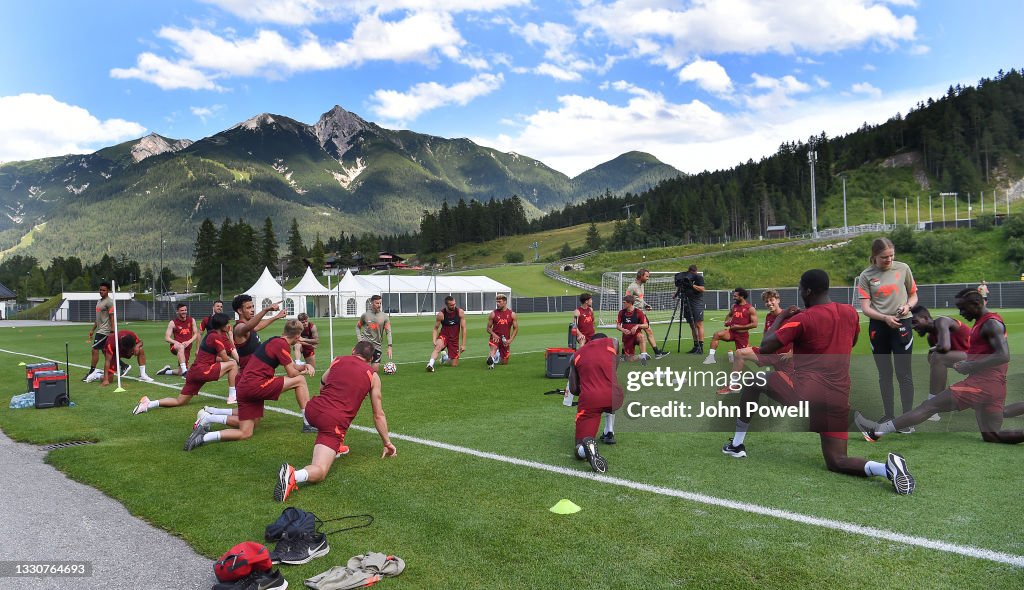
[[402, 107], [868, 67], [779, 92], [807, 61], [205, 113], [307, 12], [866, 88], [709, 75], [556, 37], [821, 82], [38, 125], [165, 74], [558, 73], [205, 56], [746, 26], [690, 136], [919, 49]]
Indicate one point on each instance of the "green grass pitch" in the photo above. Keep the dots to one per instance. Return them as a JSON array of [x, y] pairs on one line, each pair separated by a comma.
[[468, 521]]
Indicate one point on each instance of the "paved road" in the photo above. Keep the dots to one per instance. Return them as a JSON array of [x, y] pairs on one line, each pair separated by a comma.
[[46, 516]]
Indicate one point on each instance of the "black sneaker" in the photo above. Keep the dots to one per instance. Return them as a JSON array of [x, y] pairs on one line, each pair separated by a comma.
[[195, 438], [597, 462], [271, 580], [304, 549], [125, 367], [661, 354], [692, 350], [608, 438], [307, 428], [283, 547], [164, 371], [737, 451], [866, 427], [490, 362], [897, 472]]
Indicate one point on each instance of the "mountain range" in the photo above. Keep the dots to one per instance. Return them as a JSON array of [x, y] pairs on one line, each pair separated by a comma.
[[145, 198]]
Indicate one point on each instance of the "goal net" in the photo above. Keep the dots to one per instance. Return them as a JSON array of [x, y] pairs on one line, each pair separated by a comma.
[[658, 294]]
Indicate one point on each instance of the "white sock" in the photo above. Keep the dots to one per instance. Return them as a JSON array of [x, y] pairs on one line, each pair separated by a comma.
[[430, 363], [211, 437], [301, 475], [142, 370], [304, 421], [154, 404], [218, 411], [885, 427], [741, 432], [874, 468], [609, 422], [711, 352], [231, 391], [218, 419], [184, 368], [581, 452]]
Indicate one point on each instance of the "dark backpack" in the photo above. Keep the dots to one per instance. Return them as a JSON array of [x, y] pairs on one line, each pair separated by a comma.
[[296, 521]]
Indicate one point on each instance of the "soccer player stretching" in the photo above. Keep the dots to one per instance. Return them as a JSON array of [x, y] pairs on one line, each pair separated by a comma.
[[257, 385], [342, 390], [948, 339], [631, 322], [592, 377], [215, 359], [449, 333], [742, 318], [181, 333], [984, 389], [503, 327], [823, 336], [583, 319], [753, 353]]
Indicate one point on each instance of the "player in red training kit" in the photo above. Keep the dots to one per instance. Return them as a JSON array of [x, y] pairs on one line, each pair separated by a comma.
[[984, 389], [772, 302], [181, 333], [214, 359], [342, 390], [631, 322], [449, 334], [128, 344], [823, 336], [257, 384], [742, 318], [948, 340], [245, 334], [583, 319], [502, 326], [592, 377], [309, 339]]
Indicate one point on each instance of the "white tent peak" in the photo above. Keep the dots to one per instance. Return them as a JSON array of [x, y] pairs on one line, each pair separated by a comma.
[[265, 284], [309, 285]]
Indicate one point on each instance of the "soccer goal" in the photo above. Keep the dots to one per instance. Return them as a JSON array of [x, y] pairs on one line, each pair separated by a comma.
[[658, 294]]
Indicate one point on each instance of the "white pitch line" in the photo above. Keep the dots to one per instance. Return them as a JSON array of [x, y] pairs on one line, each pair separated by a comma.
[[827, 523]]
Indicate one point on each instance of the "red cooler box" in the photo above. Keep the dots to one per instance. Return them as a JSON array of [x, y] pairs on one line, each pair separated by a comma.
[[51, 389], [558, 361], [31, 370]]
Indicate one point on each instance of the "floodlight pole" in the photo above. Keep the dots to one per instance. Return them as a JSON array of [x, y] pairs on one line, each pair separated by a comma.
[[846, 226], [955, 208], [812, 159], [330, 316]]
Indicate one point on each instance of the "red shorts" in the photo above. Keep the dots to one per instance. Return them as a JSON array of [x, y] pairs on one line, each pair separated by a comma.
[[308, 352], [188, 352], [740, 337], [982, 394], [830, 409], [197, 376], [331, 426], [251, 398], [629, 342], [452, 348], [592, 405], [502, 348], [771, 360], [586, 337]]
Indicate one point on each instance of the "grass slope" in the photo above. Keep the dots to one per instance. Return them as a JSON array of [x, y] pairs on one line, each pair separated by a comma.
[[473, 522]]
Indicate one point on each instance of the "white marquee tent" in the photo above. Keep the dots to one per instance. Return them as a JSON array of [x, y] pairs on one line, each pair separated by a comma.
[[308, 296], [266, 291], [416, 295]]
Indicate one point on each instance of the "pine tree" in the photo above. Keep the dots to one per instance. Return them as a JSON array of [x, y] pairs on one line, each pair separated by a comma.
[[593, 237], [268, 246], [206, 267], [318, 255], [296, 252]]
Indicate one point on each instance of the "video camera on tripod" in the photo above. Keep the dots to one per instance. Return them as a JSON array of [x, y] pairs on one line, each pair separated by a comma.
[[684, 284]]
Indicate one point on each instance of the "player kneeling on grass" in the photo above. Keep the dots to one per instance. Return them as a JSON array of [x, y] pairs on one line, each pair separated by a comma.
[[984, 389], [449, 334], [342, 390], [592, 377], [503, 327], [181, 333], [257, 385], [129, 345], [631, 322], [216, 358], [948, 340], [823, 336], [753, 353]]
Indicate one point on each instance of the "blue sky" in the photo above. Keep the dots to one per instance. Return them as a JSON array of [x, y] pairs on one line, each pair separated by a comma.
[[699, 84]]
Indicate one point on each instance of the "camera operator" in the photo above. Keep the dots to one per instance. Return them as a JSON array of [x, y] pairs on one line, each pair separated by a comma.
[[690, 289]]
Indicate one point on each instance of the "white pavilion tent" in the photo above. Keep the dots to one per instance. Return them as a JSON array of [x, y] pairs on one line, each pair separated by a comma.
[[416, 295], [308, 296], [266, 291]]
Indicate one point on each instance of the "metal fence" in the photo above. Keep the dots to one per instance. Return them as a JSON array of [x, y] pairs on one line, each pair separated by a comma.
[[1001, 295]]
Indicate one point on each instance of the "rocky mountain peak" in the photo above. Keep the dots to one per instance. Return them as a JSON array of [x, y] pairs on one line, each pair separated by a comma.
[[335, 128], [153, 144]]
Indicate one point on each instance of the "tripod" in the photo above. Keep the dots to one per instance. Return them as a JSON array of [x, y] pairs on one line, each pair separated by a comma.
[[678, 308]]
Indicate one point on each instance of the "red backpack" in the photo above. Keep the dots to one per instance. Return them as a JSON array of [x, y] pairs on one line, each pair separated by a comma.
[[242, 560]]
